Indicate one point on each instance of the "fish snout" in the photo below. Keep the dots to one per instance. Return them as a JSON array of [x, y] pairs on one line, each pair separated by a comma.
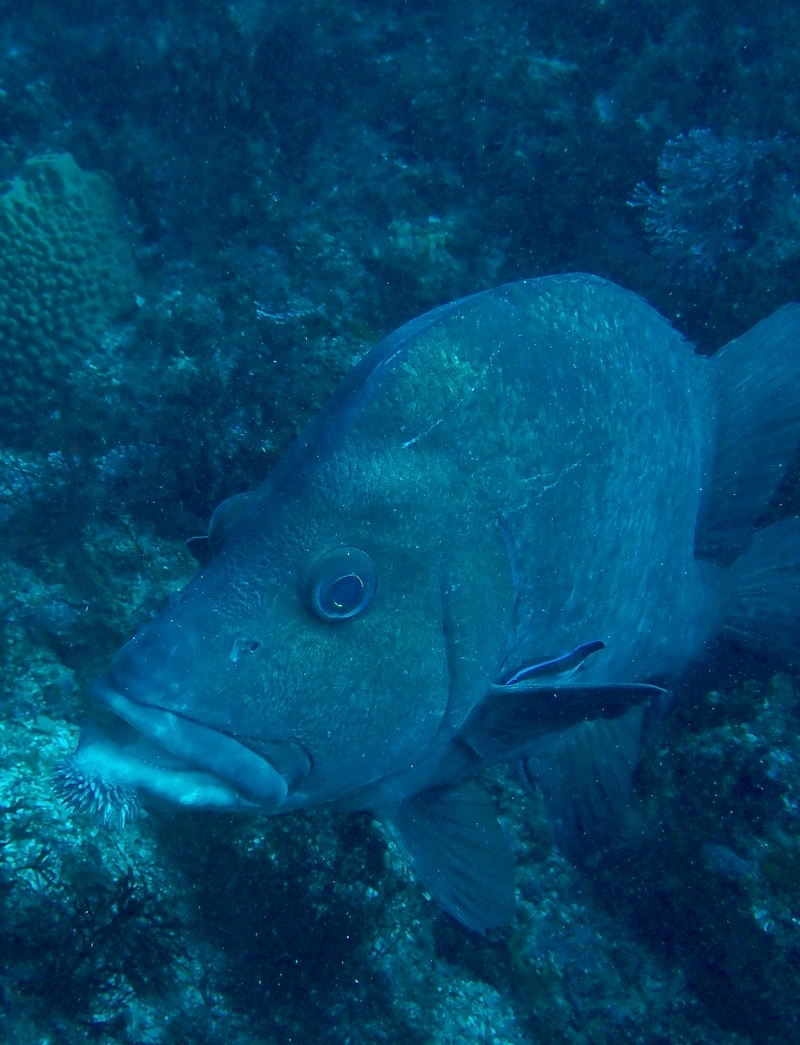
[[156, 666], [149, 685], [195, 746]]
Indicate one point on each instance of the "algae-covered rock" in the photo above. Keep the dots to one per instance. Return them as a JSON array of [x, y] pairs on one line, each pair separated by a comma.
[[66, 272]]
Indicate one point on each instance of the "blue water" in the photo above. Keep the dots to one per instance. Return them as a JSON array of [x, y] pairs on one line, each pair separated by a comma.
[[283, 183]]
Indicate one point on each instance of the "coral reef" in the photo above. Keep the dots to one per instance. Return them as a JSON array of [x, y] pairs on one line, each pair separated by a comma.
[[297, 178]]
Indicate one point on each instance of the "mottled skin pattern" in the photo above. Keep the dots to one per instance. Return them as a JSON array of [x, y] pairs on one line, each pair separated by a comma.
[[524, 467]]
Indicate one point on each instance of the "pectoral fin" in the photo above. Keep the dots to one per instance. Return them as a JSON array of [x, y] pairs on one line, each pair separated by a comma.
[[451, 838], [584, 773], [580, 744], [514, 716]]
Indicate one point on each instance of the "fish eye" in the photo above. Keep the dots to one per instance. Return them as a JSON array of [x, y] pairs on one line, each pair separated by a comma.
[[341, 583]]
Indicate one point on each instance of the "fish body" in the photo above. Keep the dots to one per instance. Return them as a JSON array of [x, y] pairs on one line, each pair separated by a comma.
[[498, 541]]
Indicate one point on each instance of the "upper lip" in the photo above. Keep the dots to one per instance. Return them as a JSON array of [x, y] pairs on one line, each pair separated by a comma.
[[200, 746]]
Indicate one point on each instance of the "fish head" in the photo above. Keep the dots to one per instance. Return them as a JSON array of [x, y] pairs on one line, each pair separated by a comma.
[[356, 609]]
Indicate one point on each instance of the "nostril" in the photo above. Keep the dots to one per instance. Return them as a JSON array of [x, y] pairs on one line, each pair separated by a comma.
[[242, 645]]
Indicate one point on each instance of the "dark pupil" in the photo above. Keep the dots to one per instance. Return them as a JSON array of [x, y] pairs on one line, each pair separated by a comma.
[[346, 593]]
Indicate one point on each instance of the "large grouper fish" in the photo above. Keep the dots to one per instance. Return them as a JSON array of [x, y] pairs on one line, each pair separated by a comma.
[[516, 522]]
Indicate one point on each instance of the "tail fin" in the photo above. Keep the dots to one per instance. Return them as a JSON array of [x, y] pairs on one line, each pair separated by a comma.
[[757, 381], [764, 603]]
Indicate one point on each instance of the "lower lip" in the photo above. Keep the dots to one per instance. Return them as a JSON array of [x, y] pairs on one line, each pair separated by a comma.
[[201, 747]]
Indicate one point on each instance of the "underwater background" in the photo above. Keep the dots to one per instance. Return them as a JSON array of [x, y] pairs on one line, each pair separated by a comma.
[[209, 212]]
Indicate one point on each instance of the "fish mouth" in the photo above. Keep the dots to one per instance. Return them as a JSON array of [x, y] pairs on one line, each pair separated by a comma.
[[183, 761]]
